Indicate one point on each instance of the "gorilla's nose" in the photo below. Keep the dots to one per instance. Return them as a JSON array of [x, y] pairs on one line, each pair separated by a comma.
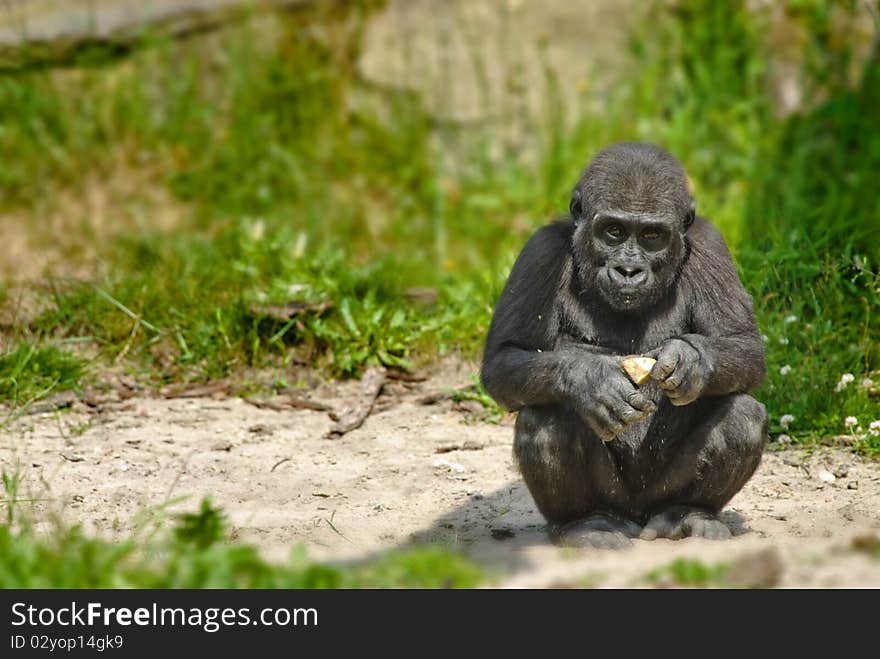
[[628, 270], [628, 275]]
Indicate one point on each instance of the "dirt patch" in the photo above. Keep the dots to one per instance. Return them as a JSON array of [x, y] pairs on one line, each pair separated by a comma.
[[412, 472], [63, 235]]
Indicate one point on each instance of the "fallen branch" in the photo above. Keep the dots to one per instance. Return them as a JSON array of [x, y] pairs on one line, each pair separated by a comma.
[[405, 376], [283, 403], [436, 397], [467, 445], [284, 312], [353, 417], [210, 389], [54, 402]]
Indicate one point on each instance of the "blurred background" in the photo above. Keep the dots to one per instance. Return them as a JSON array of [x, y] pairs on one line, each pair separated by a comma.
[[174, 173]]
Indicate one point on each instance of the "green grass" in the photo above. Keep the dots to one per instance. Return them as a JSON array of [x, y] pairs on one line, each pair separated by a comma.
[[32, 371], [294, 180], [690, 573], [195, 553]]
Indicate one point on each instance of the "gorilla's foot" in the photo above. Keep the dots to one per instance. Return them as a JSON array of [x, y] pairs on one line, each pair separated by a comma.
[[599, 530], [677, 522]]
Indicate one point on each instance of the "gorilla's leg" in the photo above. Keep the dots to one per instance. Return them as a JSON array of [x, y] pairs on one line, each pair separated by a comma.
[[708, 467], [572, 477]]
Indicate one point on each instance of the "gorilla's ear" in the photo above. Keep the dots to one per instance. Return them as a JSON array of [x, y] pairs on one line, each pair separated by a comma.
[[691, 215], [576, 206]]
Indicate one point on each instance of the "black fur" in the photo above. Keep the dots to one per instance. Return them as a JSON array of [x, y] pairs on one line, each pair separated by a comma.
[[591, 446]]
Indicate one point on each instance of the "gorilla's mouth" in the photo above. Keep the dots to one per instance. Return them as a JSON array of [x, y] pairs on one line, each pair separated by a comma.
[[632, 281], [626, 290]]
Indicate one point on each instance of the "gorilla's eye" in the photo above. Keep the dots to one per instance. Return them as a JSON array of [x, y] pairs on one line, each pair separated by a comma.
[[652, 238], [615, 233]]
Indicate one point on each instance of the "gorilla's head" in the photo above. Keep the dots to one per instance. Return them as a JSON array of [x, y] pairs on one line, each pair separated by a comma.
[[632, 208]]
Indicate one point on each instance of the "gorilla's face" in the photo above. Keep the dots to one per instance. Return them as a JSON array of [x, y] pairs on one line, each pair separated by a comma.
[[632, 209], [632, 259]]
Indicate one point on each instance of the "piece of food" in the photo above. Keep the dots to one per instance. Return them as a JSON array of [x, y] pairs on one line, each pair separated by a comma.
[[638, 368]]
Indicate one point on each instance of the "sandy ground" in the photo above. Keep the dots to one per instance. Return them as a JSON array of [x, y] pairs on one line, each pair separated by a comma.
[[413, 473]]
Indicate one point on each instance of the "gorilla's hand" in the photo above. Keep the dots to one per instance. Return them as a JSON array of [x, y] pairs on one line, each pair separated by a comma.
[[604, 397], [681, 371]]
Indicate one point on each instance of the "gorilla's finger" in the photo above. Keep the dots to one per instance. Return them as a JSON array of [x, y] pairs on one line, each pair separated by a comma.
[[641, 402], [601, 431], [666, 363], [604, 424], [617, 413], [632, 415], [681, 401], [621, 409], [672, 382]]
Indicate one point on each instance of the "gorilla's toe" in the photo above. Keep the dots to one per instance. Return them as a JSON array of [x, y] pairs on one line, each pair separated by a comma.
[[680, 522], [599, 531]]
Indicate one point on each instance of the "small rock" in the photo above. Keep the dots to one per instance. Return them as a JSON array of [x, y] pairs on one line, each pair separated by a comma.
[[762, 569], [826, 476], [502, 533], [222, 446], [841, 471], [852, 485], [452, 466], [423, 295], [869, 543], [471, 407]]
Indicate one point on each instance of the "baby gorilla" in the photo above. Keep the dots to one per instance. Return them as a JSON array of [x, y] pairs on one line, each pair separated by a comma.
[[632, 270]]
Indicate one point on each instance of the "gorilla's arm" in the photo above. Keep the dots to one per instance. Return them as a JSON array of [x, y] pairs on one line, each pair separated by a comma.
[[520, 366], [524, 366], [725, 333]]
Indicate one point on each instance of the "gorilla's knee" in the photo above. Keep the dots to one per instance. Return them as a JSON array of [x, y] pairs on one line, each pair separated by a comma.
[[538, 436], [549, 462], [732, 453], [745, 425]]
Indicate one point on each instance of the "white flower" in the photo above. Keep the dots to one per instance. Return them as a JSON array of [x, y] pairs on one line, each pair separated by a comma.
[[874, 427], [845, 379], [785, 419], [258, 229], [850, 422], [867, 382], [785, 370], [790, 319], [765, 338], [783, 341], [783, 439]]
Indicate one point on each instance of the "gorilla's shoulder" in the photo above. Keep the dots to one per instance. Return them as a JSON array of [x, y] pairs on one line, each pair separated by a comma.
[[556, 235], [705, 237], [709, 264], [543, 260], [548, 244]]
